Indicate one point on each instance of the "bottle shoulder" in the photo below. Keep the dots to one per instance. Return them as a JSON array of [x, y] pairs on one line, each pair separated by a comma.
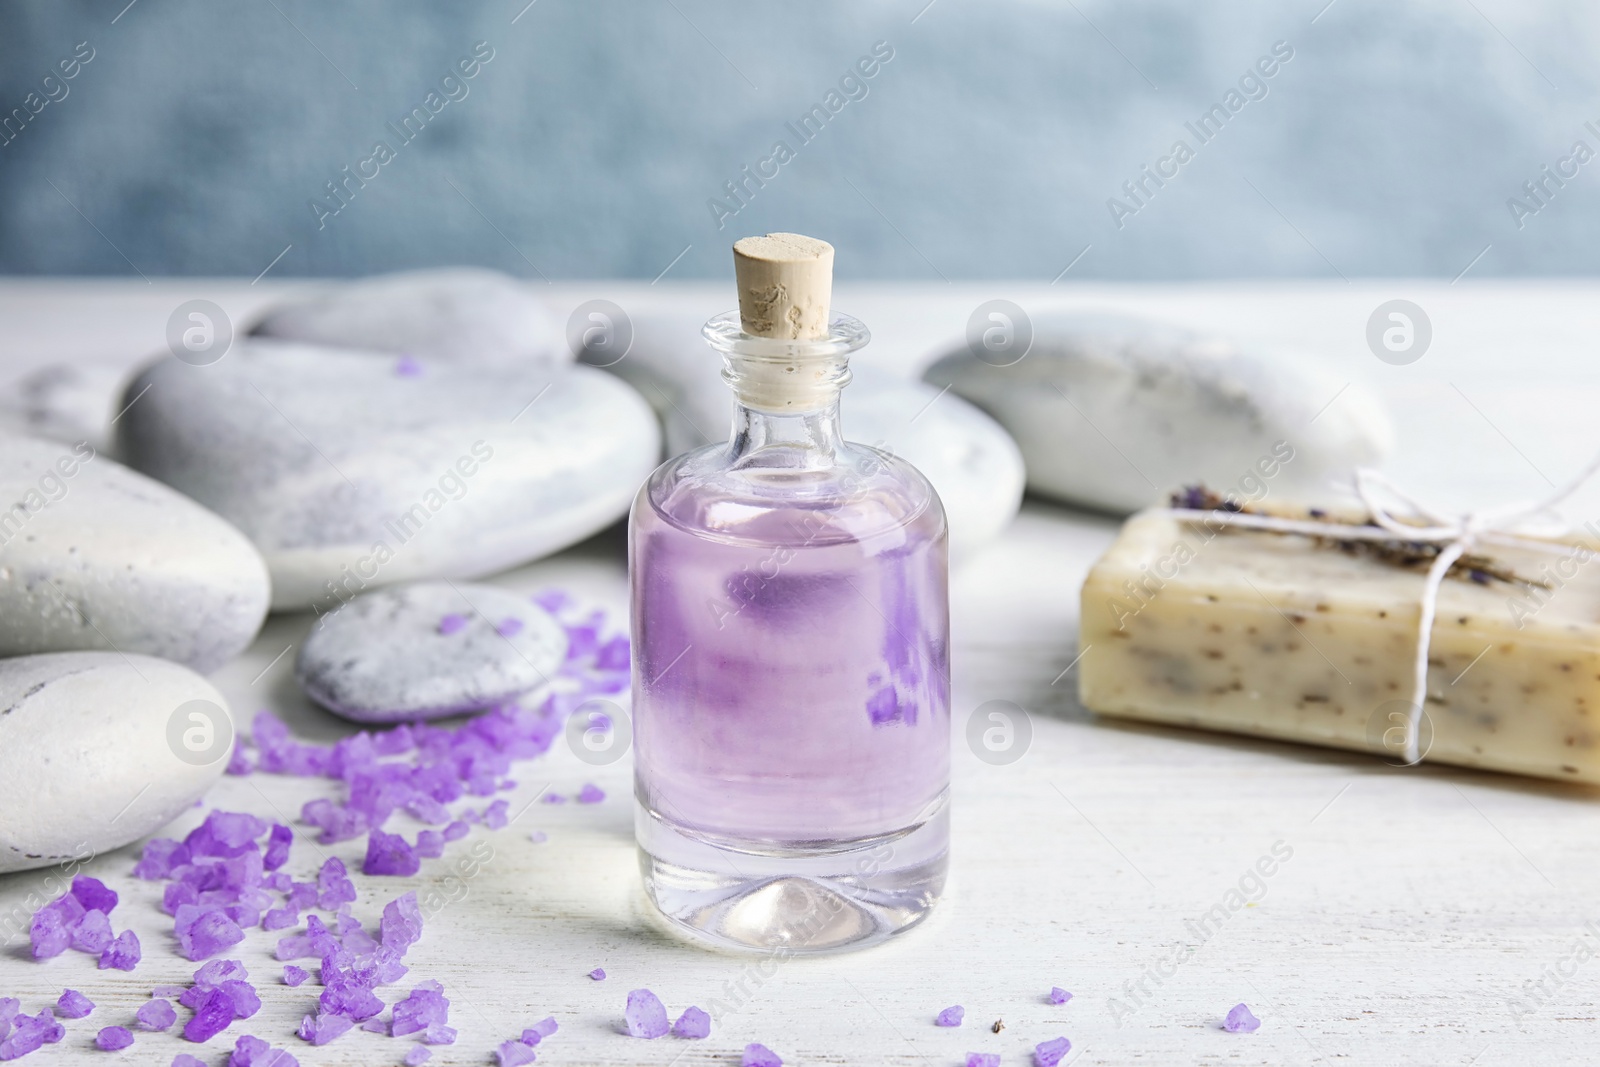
[[861, 496]]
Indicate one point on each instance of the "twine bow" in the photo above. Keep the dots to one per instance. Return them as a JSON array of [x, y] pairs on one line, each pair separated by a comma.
[[1454, 534]]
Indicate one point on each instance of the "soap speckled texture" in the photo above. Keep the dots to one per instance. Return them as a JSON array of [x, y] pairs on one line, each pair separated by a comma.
[[971, 461], [1271, 635], [86, 764], [383, 658], [96, 556], [1111, 412], [343, 470], [457, 313]]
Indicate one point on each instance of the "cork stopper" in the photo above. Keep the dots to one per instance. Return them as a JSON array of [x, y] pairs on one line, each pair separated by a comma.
[[785, 286]]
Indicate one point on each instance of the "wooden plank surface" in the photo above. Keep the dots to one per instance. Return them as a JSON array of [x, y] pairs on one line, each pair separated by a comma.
[[1405, 911]]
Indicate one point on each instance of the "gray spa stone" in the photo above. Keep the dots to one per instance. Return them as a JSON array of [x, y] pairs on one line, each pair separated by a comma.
[[349, 474], [98, 749], [1113, 412], [96, 556], [461, 314], [391, 656], [68, 402], [971, 461]]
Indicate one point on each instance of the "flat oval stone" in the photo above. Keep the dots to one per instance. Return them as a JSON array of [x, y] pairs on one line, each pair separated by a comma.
[[428, 649], [348, 475], [973, 464], [68, 402], [99, 749], [1114, 412], [461, 314], [96, 556]]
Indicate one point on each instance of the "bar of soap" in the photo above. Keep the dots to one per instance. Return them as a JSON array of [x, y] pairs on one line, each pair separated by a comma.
[[1281, 636]]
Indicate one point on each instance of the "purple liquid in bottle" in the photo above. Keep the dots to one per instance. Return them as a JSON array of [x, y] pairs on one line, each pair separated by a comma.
[[791, 682]]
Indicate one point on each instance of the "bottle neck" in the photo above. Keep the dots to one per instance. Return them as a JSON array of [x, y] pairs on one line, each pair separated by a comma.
[[806, 440]]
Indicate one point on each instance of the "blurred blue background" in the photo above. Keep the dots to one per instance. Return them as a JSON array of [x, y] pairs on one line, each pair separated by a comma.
[[595, 139]]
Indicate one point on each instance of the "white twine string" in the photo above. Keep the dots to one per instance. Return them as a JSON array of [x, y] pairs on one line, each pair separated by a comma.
[[1456, 535]]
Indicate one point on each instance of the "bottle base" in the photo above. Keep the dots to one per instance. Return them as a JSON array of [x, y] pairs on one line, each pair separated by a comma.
[[806, 902]]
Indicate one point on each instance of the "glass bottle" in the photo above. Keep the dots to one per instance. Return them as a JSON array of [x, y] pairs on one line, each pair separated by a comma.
[[791, 668]]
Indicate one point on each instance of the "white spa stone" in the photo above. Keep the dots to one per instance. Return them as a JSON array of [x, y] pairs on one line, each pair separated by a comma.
[[89, 745], [349, 475], [382, 657], [68, 402], [971, 461], [1114, 412], [96, 556], [460, 314]]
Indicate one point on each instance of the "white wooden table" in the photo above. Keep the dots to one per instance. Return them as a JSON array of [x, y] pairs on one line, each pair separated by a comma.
[[1414, 909]]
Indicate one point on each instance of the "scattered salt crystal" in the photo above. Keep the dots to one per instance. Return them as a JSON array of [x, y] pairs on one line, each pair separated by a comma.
[[1049, 1053], [510, 626], [541, 1030], [93, 932], [113, 1038], [514, 1054], [376, 1026], [452, 624], [183, 1059], [418, 1055], [1059, 995], [251, 1051], [93, 894], [598, 974], [334, 886], [279, 919], [72, 1004], [320, 1029], [951, 1016], [157, 1015], [554, 798], [494, 816], [123, 953], [204, 932], [591, 794], [1241, 1021], [439, 1035], [693, 1023], [756, 1055], [538, 837], [456, 831], [426, 1006], [390, 854], [213, 1015], [293, 976], [277, 847], [401, 925], [430, 844], [983, 1059], [645, 1015]]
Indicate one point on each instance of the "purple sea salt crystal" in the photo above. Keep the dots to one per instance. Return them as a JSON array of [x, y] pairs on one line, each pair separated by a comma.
[[439, 1035], [351, 1000], [214, 972], [294, 976], [407, 367], [112, 1038], [160, 857], [1241, 1021], [591, 794], [93, 894], [183, 1059], [251, 1051], [540, 1030], [553, 798], [93, 932], [157, 1015], [756, 1055], [452, 624], [430, 844], [425, 1006], [456, 831], [390, 854], [514, 1054], [204, 932], [983, 1059], [52, 926], [334, 886], [538, 837], [376, 1026], [1049, 1053], [401, 924], [240, 761], [645, 1015], [213, 1015], [598, 974], [1059, 995], [29, 1033], [280, 919], [510, 626], [951, 1016], [494, 816], [320, 1029], [123, 953], [277, 847], [72, 1004], [692, 1023], [242, 995], [418, 1055]]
